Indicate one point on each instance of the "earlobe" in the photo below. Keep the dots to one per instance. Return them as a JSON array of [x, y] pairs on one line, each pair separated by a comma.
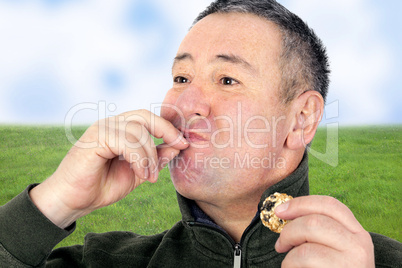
[[307, 110]]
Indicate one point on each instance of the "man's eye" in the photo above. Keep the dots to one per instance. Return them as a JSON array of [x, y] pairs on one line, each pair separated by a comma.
[[180, 80], [227, 81]]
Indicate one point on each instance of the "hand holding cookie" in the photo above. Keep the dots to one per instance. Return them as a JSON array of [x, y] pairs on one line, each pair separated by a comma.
[[323, 233]]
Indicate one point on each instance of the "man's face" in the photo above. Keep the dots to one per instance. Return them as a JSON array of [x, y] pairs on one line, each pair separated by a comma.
[[225, 101]]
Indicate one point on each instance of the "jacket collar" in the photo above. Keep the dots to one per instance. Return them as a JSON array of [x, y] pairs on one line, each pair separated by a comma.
[[296, 184]]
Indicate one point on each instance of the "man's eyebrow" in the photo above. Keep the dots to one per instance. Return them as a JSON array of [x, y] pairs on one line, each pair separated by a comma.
[[236, 60], [220, 57], [181, 57]]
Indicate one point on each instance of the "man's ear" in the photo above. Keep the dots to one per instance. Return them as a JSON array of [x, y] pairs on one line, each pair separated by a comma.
[[307, 111]]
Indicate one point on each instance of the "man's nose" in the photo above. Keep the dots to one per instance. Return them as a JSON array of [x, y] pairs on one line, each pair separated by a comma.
[[193, 102]]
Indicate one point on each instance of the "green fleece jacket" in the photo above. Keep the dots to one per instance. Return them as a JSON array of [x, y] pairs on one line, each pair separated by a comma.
[[27, 238]]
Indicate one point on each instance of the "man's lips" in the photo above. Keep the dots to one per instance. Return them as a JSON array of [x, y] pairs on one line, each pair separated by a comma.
[[194, 136]]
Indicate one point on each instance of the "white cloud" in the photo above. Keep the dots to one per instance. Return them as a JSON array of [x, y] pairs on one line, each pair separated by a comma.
[[361, 61], [80, 41], [73, 41]]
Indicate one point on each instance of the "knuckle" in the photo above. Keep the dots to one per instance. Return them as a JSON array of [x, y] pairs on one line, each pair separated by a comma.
[[143, 116], [314, 221], [139, 116], [303, 251], [332, 201], [144, 137], [298, 256], [334, 204], [142, 111]]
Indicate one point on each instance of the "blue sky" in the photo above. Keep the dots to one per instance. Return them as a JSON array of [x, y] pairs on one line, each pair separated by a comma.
[[81, 60]]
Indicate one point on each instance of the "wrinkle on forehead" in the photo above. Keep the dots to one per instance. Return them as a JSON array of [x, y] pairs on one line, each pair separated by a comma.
[[247, 36]]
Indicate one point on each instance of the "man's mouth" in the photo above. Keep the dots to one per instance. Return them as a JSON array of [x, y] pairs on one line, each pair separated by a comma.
[[194, 136]]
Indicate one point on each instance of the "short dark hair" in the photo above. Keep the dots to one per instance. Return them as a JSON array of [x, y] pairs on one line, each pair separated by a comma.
[[303, 60]]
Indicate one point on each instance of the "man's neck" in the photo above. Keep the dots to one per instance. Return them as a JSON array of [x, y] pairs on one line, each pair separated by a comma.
[[235, 215], [234, 218]]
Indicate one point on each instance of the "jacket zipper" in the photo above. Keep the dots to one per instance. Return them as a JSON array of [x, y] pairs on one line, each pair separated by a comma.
[[236, 246], [237, 256]]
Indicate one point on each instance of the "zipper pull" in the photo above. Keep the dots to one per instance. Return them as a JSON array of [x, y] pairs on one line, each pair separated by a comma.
[[237, 256]]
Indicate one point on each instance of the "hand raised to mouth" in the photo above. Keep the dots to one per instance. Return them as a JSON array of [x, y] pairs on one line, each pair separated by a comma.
[[113, 157]]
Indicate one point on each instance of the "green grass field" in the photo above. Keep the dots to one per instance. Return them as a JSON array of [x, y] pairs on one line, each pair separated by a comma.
[[367, 179]]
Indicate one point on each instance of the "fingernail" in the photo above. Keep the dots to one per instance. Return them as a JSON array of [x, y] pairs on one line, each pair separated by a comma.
[[282, 207], [146, 174], [183, 140]]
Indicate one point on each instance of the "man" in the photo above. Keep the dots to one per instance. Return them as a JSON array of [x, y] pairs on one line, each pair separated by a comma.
[[250, 80]]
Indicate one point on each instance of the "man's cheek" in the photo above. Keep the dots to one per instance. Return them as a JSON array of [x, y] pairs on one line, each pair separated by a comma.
[[165, 114], [257, 132], [224, 135]]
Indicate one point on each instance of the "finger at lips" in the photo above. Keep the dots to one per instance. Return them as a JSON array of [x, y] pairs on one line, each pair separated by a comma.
[[143, 123], [163, 129]]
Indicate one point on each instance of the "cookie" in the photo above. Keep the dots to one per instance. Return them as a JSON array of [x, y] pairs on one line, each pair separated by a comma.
[[267, 215]]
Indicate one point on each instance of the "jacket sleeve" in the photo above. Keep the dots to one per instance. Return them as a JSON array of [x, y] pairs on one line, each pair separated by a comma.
[[387, 251], [27, 237]]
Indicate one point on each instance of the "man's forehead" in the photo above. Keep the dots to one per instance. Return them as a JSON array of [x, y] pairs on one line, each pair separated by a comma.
[[222, 57], [231, 37], [237, 24]]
